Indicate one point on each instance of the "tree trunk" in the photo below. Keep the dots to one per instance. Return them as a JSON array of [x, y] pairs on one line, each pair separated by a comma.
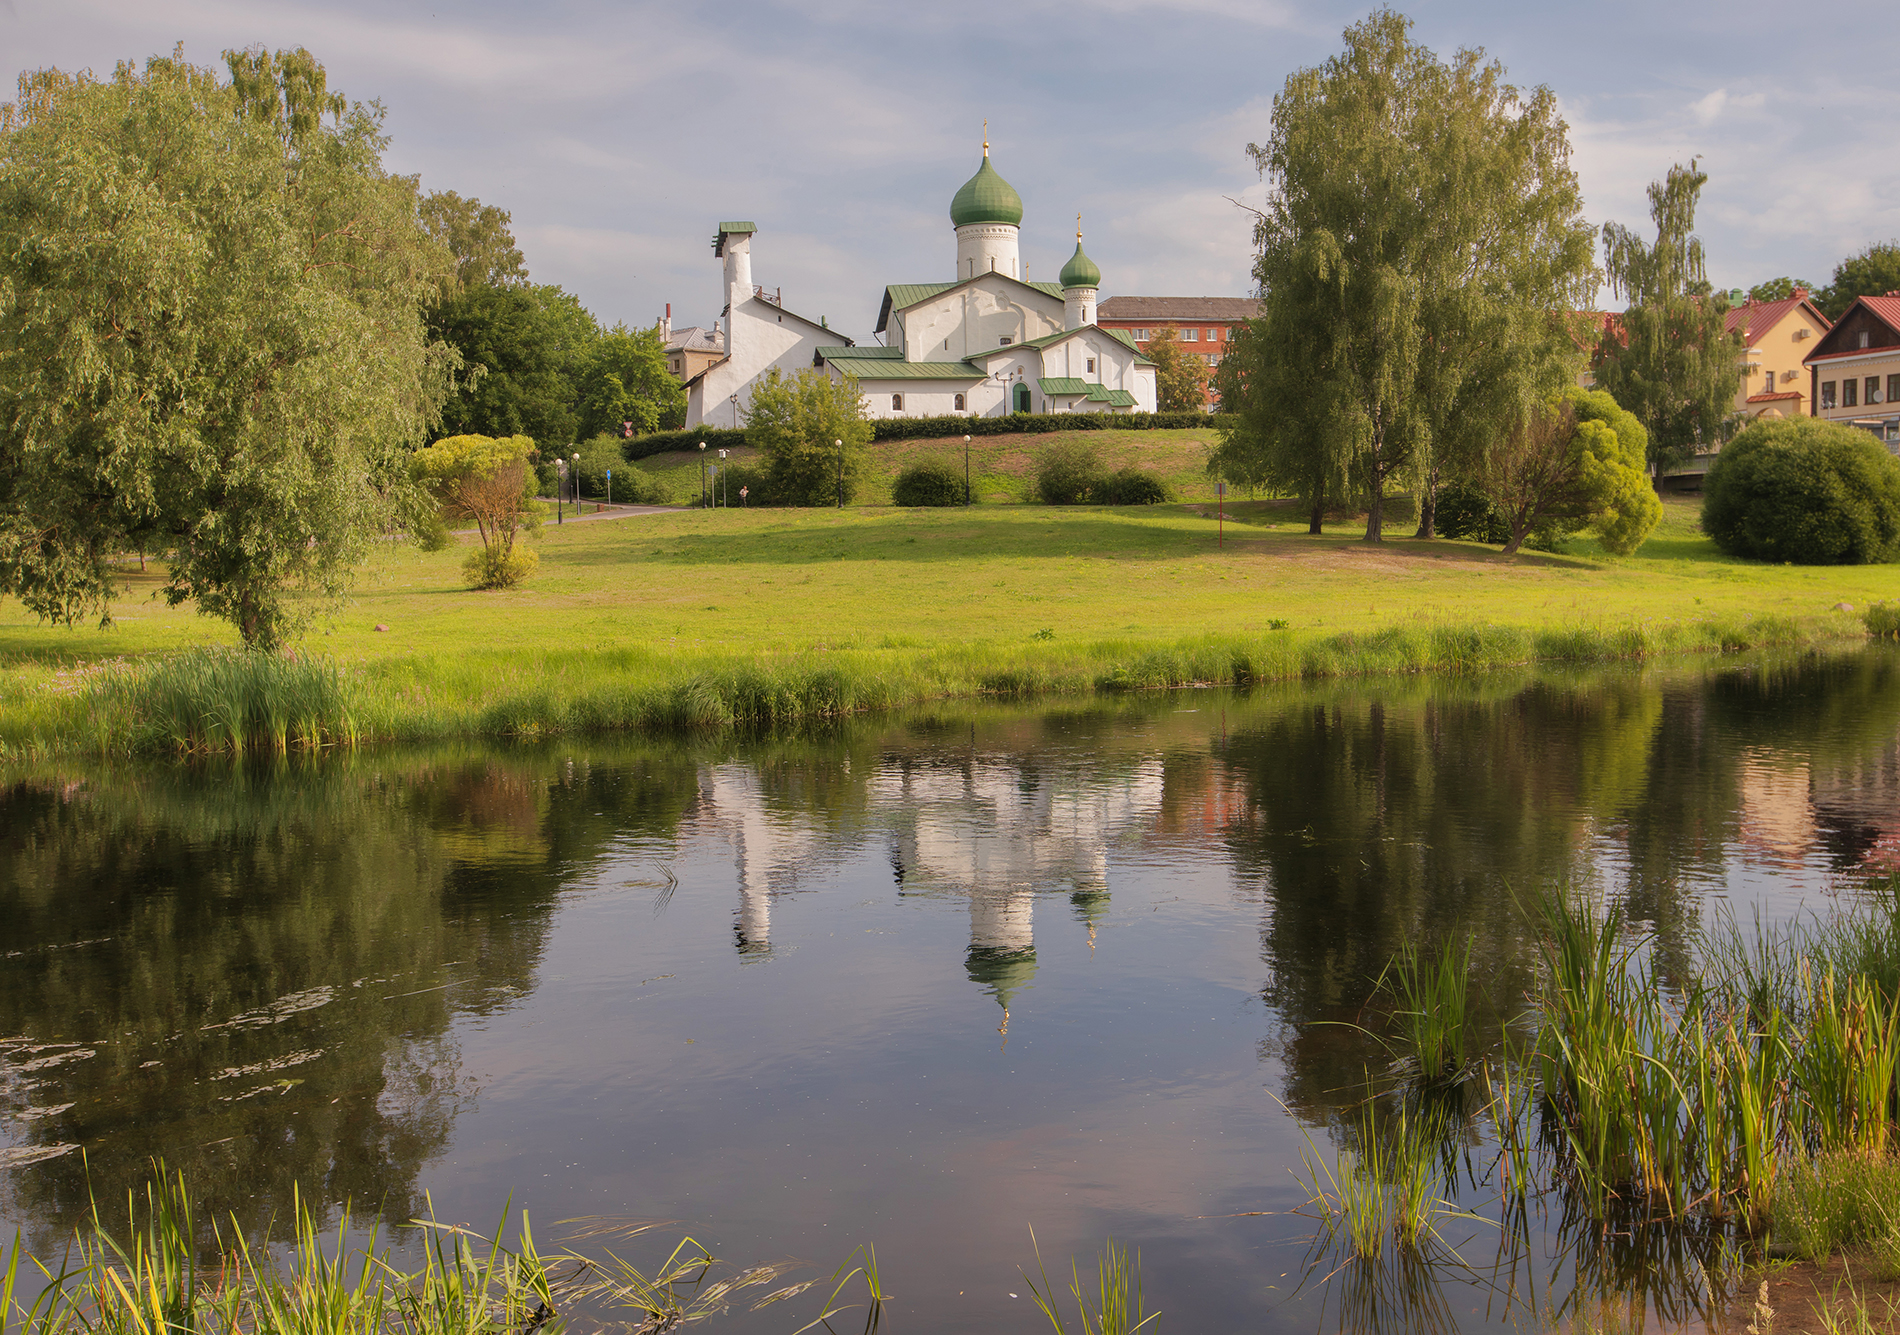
[[1428, 506], [1319, 513], [1375, 508]]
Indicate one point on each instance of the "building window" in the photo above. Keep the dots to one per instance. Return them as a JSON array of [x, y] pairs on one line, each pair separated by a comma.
[[1893, 389], [1091, 370], [1213, 361], [1873, 389], [1190, 336], [1827, 393], [1850, 393], [897, 403], [1213, 336], [1004, 341], [1141, 336], [959, 403], [1863, 338]]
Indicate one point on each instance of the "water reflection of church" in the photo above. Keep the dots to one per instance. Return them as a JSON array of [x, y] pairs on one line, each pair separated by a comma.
[[996, 830]]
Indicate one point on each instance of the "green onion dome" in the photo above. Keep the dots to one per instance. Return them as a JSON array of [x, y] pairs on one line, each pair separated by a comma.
[[1080, 271], [986, 198]]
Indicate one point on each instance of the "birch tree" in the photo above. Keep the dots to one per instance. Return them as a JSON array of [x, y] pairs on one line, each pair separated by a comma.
[[1668, 359], [1422, 225]]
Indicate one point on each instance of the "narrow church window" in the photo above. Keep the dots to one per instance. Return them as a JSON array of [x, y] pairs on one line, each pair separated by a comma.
[[959, 403], [1091, 365], [1004, 341], [897, 403]]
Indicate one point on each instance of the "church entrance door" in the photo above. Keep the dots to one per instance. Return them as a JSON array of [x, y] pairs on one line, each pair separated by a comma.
[[1022, 397]]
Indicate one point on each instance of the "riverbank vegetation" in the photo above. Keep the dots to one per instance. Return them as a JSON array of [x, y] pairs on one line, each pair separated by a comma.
[[1741, 1111], [711, 618], [151, 1275]]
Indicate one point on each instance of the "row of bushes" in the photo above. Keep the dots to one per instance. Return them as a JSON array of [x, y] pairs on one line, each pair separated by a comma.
[[935, 428], [1070, 473]]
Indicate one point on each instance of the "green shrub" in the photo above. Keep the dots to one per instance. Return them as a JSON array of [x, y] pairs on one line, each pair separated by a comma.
[[494, 568], [928, 482], [1883, 620], [1131, 486], [751, 479], [935, 428], [1466, 513], [1804, 491], [631, 486], [1069, 473], [661, 442]]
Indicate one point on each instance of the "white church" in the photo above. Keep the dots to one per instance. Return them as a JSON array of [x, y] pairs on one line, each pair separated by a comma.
[[987, 343]]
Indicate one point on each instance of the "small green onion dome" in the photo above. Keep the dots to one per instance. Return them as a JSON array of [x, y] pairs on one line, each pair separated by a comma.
[[986, 198], [1080, 271]]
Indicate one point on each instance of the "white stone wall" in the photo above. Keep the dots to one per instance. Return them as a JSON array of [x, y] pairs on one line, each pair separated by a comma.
[[971, 320], [933, 398], [759, 336], [1078, 307], [988, 248]]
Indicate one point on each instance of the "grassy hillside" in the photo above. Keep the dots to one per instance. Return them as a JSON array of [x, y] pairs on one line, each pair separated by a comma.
[[1002, 468]]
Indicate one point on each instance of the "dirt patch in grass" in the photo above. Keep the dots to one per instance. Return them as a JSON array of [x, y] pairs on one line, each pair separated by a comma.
[[1813, 1299]]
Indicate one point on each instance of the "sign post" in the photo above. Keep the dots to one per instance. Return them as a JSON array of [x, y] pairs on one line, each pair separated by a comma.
[[610, 488]]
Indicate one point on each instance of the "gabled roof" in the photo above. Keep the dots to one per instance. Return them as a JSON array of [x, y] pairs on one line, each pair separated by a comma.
[[1756, 318], [1179, 308], [1062, 384], [1050, 340], [886, 368], [819, 325], [1884, 310], [1774, 396], [902, 296]]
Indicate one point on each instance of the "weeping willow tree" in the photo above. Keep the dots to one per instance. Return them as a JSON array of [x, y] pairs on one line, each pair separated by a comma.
[[1669, 360], [211, 337], [1422, 227]]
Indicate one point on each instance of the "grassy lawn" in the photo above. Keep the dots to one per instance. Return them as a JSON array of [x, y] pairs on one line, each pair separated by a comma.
[[937, 601]]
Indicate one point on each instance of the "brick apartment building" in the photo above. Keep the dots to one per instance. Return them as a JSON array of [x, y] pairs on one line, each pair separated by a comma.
[[1203, 324]]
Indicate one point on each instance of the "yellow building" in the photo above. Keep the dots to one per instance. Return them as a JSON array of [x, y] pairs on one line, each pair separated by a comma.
[[1854, 370], [1777, 336]]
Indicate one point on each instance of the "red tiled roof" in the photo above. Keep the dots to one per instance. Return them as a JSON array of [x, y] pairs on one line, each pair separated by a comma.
[[1887, 308], [1771, 398], [1758, 317]]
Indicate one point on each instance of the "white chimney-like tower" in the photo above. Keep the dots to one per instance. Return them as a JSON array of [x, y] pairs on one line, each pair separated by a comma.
[[734, 246]]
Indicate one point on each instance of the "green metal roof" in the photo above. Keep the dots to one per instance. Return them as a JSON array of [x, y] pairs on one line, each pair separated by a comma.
[[1080, 271], [737, 227], [986, 198], [884, 368], [1098, 393], [1121, 398], [909, 294], [1063, 384]]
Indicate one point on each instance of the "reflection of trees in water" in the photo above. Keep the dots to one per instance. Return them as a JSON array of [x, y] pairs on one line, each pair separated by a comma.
[[1378, 815], [262, 968]]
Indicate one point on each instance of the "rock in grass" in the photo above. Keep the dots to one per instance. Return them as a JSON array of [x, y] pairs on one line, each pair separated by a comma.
[[381, 626], [1843, 607]]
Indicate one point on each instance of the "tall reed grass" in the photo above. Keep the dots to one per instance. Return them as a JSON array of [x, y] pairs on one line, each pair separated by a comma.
[[236, 703], [149, 1280]]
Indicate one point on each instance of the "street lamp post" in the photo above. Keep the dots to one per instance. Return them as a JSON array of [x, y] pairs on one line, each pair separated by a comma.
[[840, 445], [560, 487], [577, 486], [724, 485], [735, 412], [702, 475], [966, 471]]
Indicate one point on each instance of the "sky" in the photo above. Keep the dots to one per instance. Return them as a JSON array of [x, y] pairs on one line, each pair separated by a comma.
[[618, 133]]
